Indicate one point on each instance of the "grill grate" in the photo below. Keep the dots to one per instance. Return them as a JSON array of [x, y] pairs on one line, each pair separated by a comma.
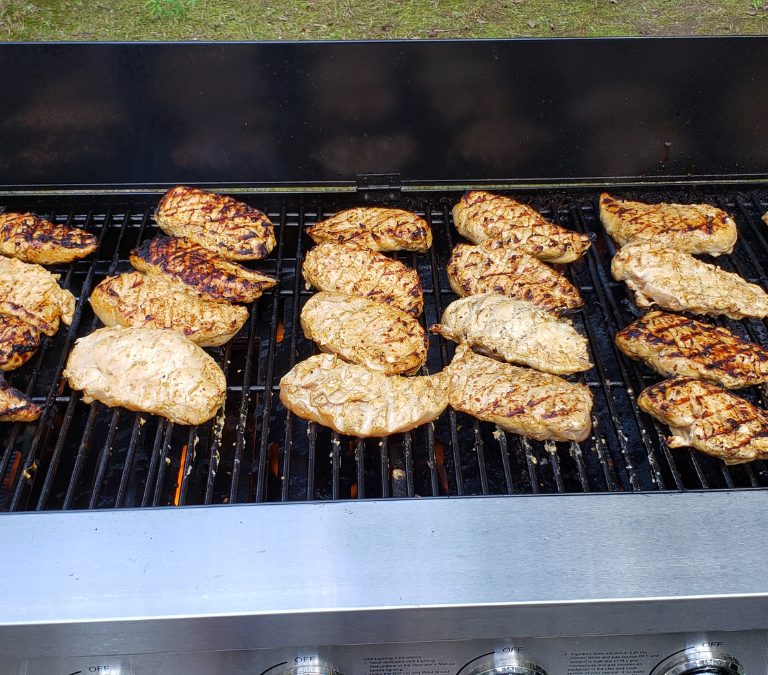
[[90, 456]]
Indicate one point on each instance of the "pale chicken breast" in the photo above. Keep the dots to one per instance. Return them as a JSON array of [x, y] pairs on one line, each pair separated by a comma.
[[367, 332], [357, 270], [189, 264], [134, 299], [675, 345], [18, 342], [375, 228], [16, 406], [678, 281], [36, 240], [520, 400], [493, 267], [31, 293], [516, 331], [356, 401], [223, 225], [709, 418], [155, 371], [690, 228], [480, 215]]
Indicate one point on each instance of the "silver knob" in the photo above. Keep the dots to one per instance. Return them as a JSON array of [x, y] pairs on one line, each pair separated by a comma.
[[697, 660], [507, 664], [310, 669]]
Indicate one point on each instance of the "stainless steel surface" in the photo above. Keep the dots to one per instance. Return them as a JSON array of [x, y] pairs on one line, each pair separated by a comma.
[[700, 660]]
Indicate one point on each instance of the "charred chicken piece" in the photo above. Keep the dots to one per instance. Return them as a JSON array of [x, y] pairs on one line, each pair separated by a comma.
[[353, 400], [155, 371], [16, 406], [375, 228], [35, 240], [187, 263], [520, 400], [709, 418], [18, 342], [223, 225], [690, 228], [363, 331], [678, 281], [137, 300], [356, 270], [516, 331], [480, 216], [493, 267]]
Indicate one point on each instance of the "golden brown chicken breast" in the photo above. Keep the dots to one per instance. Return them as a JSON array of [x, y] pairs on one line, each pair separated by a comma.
[[18, 342], [154, 302], [690, 228], [155, 371], [16, 406], [375, 335], [520, 400], [480, 215], [223, 225], [353, 400], [705, 416], [375, 228], [678, 281], [187, 263], [35, 240], [516, 331], [765, 217], [493, 267], [357, 270]]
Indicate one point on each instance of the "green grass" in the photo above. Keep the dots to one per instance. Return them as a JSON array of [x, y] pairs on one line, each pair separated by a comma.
[[360, 20]]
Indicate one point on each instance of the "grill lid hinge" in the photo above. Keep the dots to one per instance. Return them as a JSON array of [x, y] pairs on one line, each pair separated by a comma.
[[378, 186]]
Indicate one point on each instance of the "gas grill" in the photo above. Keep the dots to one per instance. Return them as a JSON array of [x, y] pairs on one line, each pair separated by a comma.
[[629, 554]]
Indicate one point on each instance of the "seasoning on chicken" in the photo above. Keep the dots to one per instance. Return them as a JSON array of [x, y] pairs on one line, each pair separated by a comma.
[[493, 267], [674, 345], [690, 228], [134, 299], [516, 331], [18, 342], [709, 418], [35, 240], [520, 400], [363, 331], [678, 281], [357, 270], [30, 293], [223, 225], [353, 400], [155, 371], [187, 263], [375, 228], [16, 406], [481, 215]]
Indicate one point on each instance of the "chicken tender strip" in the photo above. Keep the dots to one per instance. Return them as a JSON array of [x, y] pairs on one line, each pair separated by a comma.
[[16, 406], [18, 342], [356, 401], [36, 240]]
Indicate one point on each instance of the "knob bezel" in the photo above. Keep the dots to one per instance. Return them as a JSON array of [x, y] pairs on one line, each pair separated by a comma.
[[507, 665], [695, 658]]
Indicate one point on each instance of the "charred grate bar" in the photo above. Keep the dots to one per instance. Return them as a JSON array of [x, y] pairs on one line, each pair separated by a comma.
[[79, 456]]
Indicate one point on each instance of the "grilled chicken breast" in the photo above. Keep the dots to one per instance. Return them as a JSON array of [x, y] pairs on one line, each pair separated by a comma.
[[375, 228], [516, 331], [493, 267], [16, 406], [30, 293], [520, 400], [155, 371], [765, 217], [357, 270], [154, 302], [353, 400], [187, 263], [690, 228], [705, 416], [674, 345], [35, 240], [481, 215], [223, 225], [678, 281], [363, 331], [18, 342]]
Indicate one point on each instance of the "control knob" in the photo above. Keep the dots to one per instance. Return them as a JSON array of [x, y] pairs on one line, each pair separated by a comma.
[[507, 664], [699, 660], [316, 668]]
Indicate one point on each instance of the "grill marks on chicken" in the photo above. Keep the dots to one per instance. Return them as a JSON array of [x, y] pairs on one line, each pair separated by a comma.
[[15, 406], [223, 225], [375, 228], [690, 228], [33, 239], [522, 401], [480, 216], [18, 342]]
